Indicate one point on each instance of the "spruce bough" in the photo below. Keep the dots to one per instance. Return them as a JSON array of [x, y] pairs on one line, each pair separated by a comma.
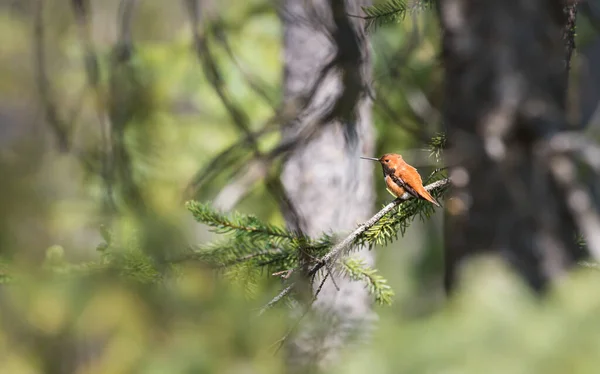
[[251, 242]]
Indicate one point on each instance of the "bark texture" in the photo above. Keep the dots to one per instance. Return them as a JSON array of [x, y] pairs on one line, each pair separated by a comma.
[[505, 92], [327, 68]]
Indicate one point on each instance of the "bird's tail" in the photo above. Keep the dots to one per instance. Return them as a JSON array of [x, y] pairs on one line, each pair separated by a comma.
[[427, 196]]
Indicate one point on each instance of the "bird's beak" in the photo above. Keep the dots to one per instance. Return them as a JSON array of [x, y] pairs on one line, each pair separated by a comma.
[[369, 158]]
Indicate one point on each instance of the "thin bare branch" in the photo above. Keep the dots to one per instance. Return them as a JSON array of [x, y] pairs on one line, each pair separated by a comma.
[[254, 83], [576, 142], [230, 195], [276, 299], [579, 201], [56, 123]]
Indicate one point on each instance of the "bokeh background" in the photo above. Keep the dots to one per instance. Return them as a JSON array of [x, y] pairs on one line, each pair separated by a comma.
[[63, 78]]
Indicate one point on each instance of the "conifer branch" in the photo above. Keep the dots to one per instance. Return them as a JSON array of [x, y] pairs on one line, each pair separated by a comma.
[[237, 223], [227, 255], [437, 146], [260, 245], [252, 241], [392, 11], [355, 235], [353, 238], [357, 270]]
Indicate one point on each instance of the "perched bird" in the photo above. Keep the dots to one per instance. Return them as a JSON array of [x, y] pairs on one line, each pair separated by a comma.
[[400, 177]]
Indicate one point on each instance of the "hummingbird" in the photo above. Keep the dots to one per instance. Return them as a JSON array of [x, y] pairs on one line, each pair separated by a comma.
[[400, 177]]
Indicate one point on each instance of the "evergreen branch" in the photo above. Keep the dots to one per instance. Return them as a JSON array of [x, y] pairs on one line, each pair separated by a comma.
[[383, 14], [245, 276], [221, 256], [270, 254], [391, 12], [279, 261], [236, 223], [353, 237], [320, 247], [437, 145], [357, 270], [253, 242]]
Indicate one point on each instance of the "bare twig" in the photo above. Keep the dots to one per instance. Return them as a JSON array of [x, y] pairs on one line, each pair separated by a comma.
[[240, 119], [231, 194], [576, 142], [392, 73], [307, 309], [285, 274], [213, 74], [579, 201], [276, 299], [307, 108], [558, 149], [56, 123], [255, 85], [225, 159]]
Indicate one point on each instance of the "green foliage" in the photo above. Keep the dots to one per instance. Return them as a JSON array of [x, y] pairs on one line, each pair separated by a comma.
[[225, 253], [251, 241], [169, 121], [5, 276], [499, 322], [248, 240], [55, 263], [133, 264], [254, 245], [356, 269], [437, 145], [236, 224], [392, 11], [244, 276], [386, 230], [121, 255]]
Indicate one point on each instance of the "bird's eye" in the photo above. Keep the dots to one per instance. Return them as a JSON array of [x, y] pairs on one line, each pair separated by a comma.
[[387, 160]]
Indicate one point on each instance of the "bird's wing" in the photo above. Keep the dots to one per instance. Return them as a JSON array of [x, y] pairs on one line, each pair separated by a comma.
[[404, 185]]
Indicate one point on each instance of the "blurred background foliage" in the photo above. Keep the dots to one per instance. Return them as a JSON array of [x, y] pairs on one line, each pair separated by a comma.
[[66, 292]]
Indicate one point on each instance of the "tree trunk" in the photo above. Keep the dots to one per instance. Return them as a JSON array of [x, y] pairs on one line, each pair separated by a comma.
[[505, 92], [329, 186]]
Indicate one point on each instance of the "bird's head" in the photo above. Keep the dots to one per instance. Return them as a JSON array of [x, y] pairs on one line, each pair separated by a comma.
[[388, 160]]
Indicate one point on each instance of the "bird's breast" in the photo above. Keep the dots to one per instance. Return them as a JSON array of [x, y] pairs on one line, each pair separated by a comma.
[[393, 187]]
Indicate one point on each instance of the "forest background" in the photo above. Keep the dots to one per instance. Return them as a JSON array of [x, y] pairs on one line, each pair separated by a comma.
[[111, 116]]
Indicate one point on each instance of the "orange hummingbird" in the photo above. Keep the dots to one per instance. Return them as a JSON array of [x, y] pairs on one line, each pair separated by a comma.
[[400, 177]]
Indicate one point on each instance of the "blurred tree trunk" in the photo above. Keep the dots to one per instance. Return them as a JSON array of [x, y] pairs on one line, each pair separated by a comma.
[[330, 187], [506, 85]]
